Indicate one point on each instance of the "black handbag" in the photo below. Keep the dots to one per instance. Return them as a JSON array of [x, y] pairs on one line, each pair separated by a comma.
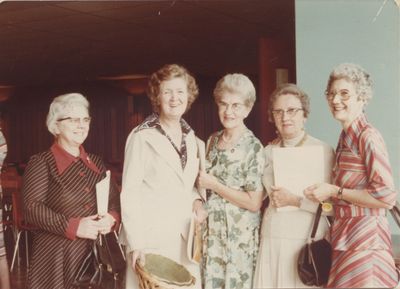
[[104, 267], [85, 272], [314, 261], [111, 252]]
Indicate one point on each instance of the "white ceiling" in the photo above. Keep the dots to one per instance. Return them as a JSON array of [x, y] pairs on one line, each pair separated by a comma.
[[55, 41]]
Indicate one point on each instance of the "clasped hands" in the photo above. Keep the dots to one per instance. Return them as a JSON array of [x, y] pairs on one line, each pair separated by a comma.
[[320, 192], [281, 197], [206, 181], [89, 227]]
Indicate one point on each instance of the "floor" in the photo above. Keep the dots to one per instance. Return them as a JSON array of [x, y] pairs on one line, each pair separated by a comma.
[[19, 273]]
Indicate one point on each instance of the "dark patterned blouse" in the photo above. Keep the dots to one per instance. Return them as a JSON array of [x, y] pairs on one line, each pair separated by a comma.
[[153, 121]]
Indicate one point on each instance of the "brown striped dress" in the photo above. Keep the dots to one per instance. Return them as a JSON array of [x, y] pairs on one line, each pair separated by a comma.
[[55, 203]]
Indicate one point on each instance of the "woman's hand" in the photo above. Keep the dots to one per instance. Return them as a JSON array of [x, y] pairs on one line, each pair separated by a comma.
[[282, 197], [206, 181], [106, 222], [88, 228], [137, 255], [200, 213], [320, 192]]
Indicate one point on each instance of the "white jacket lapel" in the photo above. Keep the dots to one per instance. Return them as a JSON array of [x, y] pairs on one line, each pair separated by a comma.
[[166, 151]]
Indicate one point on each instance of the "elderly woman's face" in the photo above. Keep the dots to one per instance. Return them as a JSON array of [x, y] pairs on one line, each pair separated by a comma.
[[73, 128], [231, 110], [343, 101], [288, 116], [173, 97]]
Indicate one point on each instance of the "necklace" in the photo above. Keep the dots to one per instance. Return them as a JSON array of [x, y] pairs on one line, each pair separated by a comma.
[[231, 143], [233, 139], [223, 138], [299, 144]]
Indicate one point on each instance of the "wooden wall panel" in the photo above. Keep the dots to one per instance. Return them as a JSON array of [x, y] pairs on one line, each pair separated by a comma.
[[114, 112], [274, 54]]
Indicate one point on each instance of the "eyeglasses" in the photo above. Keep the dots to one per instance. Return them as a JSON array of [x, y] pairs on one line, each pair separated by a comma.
[[344, 94], [76, 120], [291, 112], [234, 106]]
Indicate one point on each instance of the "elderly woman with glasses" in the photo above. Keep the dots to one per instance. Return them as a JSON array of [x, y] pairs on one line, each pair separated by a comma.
[[362, 188], [59, 190], [235, 161], [284, 231]]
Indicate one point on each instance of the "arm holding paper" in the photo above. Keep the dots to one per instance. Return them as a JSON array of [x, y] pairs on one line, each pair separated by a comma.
[[108, 204], [250, 200], [283, 194], [282, 197]]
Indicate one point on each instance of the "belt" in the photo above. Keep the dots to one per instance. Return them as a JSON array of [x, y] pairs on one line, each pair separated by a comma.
[[355, 211]]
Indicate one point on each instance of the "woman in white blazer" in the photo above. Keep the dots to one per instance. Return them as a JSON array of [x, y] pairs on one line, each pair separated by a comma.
[[160, 168]]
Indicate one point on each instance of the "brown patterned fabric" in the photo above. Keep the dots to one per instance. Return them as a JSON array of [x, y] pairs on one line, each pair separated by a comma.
[[50, 201]]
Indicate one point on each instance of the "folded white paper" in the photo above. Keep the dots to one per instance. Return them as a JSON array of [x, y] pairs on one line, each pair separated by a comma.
[[194, 243], [296, 168], [102, 192]]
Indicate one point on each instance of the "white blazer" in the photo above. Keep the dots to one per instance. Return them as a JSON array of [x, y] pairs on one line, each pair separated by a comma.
[[157, 194]]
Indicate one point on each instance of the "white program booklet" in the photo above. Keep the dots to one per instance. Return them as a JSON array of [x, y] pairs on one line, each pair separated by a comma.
[[296, 168], [102, 192]]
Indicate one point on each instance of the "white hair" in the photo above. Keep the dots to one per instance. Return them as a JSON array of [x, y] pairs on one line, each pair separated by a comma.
[[61, 105], [357, 75], [237, 83]]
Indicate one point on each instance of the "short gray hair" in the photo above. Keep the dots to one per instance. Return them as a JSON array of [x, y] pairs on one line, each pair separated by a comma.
[[61, 105], [292, 89], [236, 83], [355, 74]]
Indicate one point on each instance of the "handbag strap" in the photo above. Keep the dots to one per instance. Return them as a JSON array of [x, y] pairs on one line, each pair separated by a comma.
[[316, 221]]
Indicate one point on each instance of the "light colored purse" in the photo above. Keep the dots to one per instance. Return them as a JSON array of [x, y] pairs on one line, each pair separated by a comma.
[[195, 239]]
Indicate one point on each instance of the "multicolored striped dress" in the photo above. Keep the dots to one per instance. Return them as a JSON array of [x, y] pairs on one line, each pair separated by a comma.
[[361, 240]]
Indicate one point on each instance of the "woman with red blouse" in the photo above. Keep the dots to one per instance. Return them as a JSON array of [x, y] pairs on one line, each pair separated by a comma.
[[363, 188], [59, 190]]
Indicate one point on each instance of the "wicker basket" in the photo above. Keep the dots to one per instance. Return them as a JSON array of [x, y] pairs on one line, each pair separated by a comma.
[[160, 272]]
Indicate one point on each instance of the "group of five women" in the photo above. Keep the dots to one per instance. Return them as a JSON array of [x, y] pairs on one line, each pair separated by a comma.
[[162, 181]]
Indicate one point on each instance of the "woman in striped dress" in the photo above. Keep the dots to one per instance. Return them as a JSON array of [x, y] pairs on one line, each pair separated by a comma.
[[60, 197], [363, 188]]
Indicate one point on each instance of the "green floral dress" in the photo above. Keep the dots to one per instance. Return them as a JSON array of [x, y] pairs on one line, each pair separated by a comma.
[[231, 235]]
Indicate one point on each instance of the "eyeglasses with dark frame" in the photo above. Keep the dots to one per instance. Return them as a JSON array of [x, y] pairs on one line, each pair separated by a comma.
[[76, 120], [291, 112]]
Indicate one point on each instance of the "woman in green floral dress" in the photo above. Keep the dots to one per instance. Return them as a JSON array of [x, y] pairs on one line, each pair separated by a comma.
[[235, 162]]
